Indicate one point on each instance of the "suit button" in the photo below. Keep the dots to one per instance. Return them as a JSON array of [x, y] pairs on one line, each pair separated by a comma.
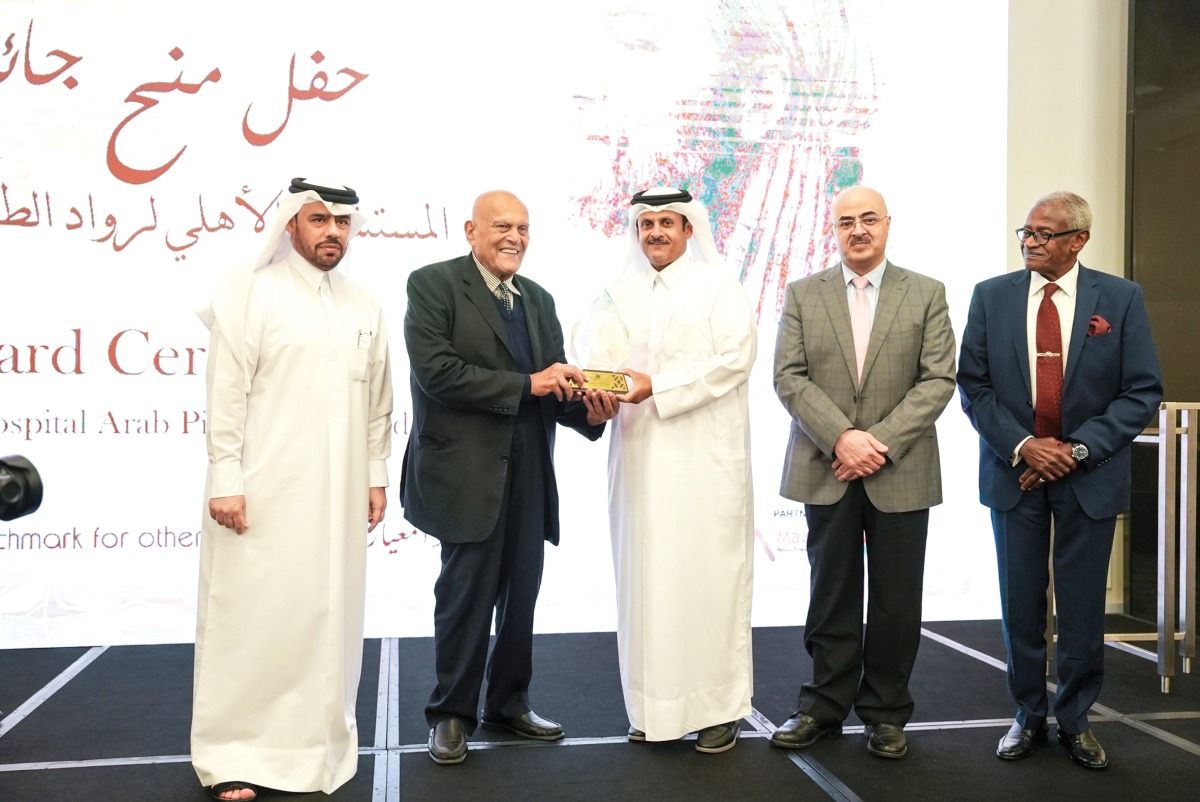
[[504, 458]]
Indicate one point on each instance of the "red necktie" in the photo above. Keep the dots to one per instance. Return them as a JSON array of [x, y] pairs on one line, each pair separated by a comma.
[[1047, 415]]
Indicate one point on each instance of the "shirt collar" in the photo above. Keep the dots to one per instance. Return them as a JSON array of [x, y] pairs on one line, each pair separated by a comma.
[[1067, 282], [312, 275], [874, 275], [672, 273], [490, 279]]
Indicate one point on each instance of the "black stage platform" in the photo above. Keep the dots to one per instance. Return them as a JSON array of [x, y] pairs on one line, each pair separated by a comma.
[[112, 724]]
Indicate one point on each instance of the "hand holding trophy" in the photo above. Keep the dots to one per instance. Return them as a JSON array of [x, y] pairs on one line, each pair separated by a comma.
[[600, 343]]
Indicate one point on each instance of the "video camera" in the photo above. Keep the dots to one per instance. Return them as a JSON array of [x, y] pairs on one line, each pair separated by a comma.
[[20, 488]]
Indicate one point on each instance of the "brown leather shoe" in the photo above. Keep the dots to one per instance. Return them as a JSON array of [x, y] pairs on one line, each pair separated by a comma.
[[802, 731], [1019, 741], [1084, 748], [448, 741], [886, 740]]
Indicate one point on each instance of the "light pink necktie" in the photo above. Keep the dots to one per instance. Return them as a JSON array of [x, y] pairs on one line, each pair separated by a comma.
[[860, 322]]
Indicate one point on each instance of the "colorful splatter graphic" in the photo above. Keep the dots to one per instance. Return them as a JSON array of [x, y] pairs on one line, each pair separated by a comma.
[[765, 140]]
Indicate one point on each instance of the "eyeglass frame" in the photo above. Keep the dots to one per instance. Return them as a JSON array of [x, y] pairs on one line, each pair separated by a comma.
[[859, 221], [1038, 235]]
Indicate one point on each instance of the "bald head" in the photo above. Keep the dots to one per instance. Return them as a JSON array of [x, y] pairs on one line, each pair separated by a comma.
[[860, 196], [861, 223], [493, 199], [498, 232]]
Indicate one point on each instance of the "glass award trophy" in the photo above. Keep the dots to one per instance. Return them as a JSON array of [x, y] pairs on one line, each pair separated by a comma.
[[600, 342]]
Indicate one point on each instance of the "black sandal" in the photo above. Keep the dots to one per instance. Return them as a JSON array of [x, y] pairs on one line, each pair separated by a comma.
[[221, 788]]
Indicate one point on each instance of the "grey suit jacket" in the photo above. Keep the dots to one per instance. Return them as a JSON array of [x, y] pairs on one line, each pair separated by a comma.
[[908, 379]]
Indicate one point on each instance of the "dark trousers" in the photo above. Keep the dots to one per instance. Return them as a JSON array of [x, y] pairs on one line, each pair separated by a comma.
[[1082, 547], [501, 574], [870, 670]]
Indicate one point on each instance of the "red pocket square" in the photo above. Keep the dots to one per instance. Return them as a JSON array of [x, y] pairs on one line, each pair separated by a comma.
[[1098, 325]]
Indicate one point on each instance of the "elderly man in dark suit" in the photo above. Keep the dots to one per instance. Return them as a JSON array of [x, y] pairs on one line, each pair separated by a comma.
[[864, 364], [489, 385], [1058, 374]]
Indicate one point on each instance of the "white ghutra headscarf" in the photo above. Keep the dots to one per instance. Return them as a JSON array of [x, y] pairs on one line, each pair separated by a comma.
[[228, 303], [702, 245], [338, 199]]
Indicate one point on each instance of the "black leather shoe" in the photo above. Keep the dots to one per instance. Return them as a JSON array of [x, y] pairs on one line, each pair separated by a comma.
[[1084, 748], [718, 738], [886, 740], [802, 731], [1019, 741], [635, 734], [448, 741], [528, 725]]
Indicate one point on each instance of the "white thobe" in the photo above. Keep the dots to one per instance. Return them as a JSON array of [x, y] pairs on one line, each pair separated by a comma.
[[680, 501], [299, 421]]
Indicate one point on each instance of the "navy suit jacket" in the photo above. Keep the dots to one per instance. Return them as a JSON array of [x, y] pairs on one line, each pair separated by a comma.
[[1111, 389], [465, 394]]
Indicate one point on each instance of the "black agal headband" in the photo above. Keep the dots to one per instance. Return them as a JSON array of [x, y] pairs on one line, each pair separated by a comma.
[[644, 197], [331, 194]]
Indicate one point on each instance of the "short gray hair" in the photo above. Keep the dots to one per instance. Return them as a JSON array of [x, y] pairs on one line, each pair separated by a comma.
[[1079, 213]]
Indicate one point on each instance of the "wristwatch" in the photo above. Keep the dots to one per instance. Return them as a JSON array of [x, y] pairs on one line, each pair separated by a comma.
[[1079, 452]]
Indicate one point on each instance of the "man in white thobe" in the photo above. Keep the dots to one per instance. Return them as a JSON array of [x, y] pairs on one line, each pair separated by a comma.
[[679, 481], [299, 428]]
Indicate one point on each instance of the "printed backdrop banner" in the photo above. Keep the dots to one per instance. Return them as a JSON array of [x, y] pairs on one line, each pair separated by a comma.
[[144, 145]]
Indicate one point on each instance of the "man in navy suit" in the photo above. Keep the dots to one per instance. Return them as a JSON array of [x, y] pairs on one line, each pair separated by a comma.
[[1058, 374], [489, 385]]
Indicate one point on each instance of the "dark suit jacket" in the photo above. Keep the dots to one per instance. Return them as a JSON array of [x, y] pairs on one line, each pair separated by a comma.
[[908, 378], [1111, 389], [465, 395]]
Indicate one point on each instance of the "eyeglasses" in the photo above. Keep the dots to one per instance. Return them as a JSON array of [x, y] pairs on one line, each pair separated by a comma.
[[867, 221], [1042, 237]]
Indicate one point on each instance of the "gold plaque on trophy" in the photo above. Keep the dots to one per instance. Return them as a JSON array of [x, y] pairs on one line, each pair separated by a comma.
[[608, 380]]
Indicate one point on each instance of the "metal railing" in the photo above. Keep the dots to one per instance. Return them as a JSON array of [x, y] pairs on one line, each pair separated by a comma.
[[1177, 437]]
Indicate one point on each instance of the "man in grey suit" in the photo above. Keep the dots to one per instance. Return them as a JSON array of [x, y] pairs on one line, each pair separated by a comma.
[[864, 371], [489, 385]]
